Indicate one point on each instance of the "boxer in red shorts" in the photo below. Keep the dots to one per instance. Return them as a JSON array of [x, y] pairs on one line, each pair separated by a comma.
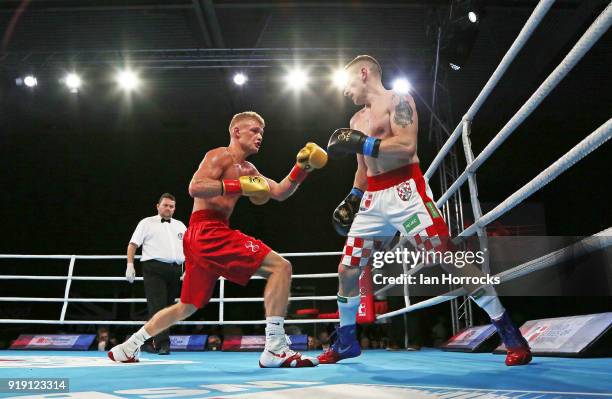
[[212, 249]]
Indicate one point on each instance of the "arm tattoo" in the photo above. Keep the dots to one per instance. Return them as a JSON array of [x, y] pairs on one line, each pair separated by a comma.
[[403, 113]]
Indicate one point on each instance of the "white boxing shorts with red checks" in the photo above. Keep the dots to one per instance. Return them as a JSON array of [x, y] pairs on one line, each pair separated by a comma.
[[398, 200]]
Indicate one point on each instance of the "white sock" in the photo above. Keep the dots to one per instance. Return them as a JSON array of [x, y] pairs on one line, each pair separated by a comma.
[[137, 339], [275, 331], [487, 299], [348, 305]]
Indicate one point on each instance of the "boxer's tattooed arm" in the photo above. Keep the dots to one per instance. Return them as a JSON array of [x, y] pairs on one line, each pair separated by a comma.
[[403, 113]]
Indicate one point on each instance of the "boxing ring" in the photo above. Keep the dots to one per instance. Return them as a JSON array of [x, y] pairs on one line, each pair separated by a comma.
[[377, 373]]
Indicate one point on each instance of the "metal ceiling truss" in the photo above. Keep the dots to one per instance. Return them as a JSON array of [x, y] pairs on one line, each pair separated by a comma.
[[193, 57]]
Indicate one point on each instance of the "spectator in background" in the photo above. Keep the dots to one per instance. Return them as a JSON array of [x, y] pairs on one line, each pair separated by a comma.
[[324, 339], [102, 339], [313, 343], [214, 343]]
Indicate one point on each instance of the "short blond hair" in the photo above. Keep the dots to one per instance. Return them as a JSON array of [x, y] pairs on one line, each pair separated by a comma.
[[244, 116], [374, 66]]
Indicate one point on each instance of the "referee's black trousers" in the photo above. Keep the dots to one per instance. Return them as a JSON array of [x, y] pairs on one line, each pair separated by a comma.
[[162, 284]]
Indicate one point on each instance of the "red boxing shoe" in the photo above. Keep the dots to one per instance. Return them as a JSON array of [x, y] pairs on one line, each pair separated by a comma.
[[330, 356], [519, 353], [518, 356]]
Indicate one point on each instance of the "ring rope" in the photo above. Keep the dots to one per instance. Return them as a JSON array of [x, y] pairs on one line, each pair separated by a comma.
[[588, 39], [590, 244], [532, 23]]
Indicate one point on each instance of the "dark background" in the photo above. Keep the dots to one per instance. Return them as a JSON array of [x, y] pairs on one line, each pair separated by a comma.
[[79, 171]]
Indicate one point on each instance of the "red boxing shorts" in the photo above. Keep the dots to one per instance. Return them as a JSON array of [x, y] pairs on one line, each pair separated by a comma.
[[212, 250]]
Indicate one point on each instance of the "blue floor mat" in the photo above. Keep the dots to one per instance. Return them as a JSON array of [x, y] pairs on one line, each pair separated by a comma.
[[377, 374]]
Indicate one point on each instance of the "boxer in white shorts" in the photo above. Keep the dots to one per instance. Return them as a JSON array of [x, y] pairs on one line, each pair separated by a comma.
[[399, 200], [389, 195]]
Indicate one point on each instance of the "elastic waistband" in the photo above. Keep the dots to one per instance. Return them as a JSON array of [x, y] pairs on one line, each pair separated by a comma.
[[207, 214], [394, 177]]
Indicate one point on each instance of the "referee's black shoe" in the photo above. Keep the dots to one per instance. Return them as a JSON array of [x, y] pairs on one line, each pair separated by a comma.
[[164, 349], [148, 347]]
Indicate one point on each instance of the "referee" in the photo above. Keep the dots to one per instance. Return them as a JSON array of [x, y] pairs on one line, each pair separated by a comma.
[[162, 258]]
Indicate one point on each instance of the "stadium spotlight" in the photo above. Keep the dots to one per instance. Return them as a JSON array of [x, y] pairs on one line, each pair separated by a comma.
[[401, 86], [73, 82], [340, 78], [296, 79], [128, 80], [240, 79], [473, 17], [30, 81]]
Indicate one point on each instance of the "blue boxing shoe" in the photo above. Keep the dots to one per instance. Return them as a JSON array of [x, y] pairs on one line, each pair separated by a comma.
[[345, 346]]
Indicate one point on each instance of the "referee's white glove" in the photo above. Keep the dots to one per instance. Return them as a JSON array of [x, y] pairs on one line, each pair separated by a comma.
[[130, 273]]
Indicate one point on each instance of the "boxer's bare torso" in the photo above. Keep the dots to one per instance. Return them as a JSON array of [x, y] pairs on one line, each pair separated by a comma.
[[375, 121], [220, 164]]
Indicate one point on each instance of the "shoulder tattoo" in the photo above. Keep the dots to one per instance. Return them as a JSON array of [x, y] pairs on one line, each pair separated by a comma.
[[403, 113]]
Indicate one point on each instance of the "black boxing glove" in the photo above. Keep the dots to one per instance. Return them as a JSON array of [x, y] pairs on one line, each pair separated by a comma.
[[349, 141], [343, 216]]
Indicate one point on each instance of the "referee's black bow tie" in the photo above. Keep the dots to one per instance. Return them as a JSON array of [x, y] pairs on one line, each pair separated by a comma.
[[165, 220]]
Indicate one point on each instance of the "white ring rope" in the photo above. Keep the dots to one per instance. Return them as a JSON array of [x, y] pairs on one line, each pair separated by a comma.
[[532, 23], [590, 244], [590, 37], [77, 257], [144, 300], [98, 278], [585, 246], [221, 300], [581, 150], [141, 322]]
